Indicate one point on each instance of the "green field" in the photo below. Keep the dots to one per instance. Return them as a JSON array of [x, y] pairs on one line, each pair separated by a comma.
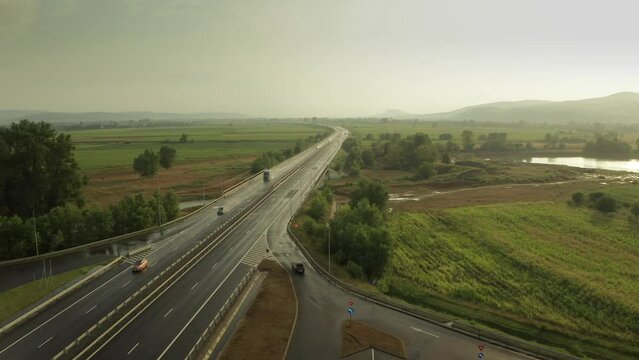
[[16, 299], [563, 275], [108, 148]]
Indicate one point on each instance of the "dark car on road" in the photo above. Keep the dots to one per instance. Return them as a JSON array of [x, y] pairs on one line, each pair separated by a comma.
[[220, 210], [298, 268]]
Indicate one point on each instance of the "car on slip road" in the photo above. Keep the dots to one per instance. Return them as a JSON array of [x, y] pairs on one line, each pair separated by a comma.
[[140, 265], [297, 267], [220, 210]]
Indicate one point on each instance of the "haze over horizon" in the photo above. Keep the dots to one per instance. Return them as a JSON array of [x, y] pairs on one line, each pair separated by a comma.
[[289, 58]]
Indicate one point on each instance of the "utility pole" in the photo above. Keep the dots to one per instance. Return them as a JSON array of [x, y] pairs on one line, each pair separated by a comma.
[[35, 236], [329, 247]]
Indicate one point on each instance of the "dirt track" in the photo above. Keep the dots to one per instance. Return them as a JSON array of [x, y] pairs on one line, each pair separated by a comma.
[[419, 198]]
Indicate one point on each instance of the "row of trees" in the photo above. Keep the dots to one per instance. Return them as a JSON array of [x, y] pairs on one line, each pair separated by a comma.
[[360, 239], [69, 225], [607, 144], [271, 158]]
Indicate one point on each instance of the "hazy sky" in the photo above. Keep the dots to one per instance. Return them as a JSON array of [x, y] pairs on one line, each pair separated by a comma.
[[311, 58]]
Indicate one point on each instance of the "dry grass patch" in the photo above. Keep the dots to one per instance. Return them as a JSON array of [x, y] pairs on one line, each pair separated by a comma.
[[265, 330], [357, 336]]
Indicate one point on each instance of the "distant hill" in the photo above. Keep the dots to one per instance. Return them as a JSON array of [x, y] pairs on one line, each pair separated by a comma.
[[618, 108], [8, 116]]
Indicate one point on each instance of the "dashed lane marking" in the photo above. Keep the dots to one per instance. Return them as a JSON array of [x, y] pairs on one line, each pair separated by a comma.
[[41, 345], [133, 348]]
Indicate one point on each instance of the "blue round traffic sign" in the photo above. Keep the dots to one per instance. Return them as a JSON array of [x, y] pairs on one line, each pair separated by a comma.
[[480, 355], [351, 310]]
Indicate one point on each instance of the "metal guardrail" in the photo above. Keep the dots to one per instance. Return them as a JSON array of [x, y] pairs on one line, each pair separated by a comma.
[[201, 341], [487, 336], [94, 336]]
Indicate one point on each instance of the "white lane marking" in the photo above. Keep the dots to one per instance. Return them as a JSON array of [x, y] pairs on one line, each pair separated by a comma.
[[127, 283], [204, 304], [167, 313], [65, 309], [133, 348], [41, 345], [423, 331], [231, 248], [193, 287], [213, 267], [88, 311]]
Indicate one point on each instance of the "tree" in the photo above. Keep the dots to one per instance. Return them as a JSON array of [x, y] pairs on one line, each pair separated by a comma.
[[317, 207], [578, 198], [184, 138], [445, 158], [167, 156], [445, 137], [606, 204], [374, 191], [468, 140], [171, 205], [349, 144], [368, 159], [146, 163], [635, 209], [38, 170], [425, 171]]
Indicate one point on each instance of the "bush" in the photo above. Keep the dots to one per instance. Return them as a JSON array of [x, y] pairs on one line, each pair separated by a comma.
[[425, 171], [578, 198], [593, 197], [635, 209], [355, 270], [606, 204]]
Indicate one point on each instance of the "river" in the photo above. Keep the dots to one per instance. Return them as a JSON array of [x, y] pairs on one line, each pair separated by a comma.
[[631, 165]]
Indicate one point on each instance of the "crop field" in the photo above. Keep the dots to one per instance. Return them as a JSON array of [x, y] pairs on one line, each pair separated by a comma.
[[218, 153], [100, 149], [543, 270]]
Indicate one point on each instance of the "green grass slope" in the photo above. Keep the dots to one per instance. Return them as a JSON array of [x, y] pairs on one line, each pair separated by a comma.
[[545, 271]]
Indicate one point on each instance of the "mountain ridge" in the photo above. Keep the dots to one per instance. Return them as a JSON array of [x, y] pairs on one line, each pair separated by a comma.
[[622, 107]]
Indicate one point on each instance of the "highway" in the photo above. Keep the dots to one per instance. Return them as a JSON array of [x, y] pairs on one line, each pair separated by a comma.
[[169, 326]]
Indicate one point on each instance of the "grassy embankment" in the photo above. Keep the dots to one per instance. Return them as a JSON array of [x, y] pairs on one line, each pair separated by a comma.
[[543, 271], [16, 299], [264, 332], [218, 153]]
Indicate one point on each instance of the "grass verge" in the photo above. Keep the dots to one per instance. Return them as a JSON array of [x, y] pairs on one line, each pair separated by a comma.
[[264, 331], [357, 336], [18, 298]]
